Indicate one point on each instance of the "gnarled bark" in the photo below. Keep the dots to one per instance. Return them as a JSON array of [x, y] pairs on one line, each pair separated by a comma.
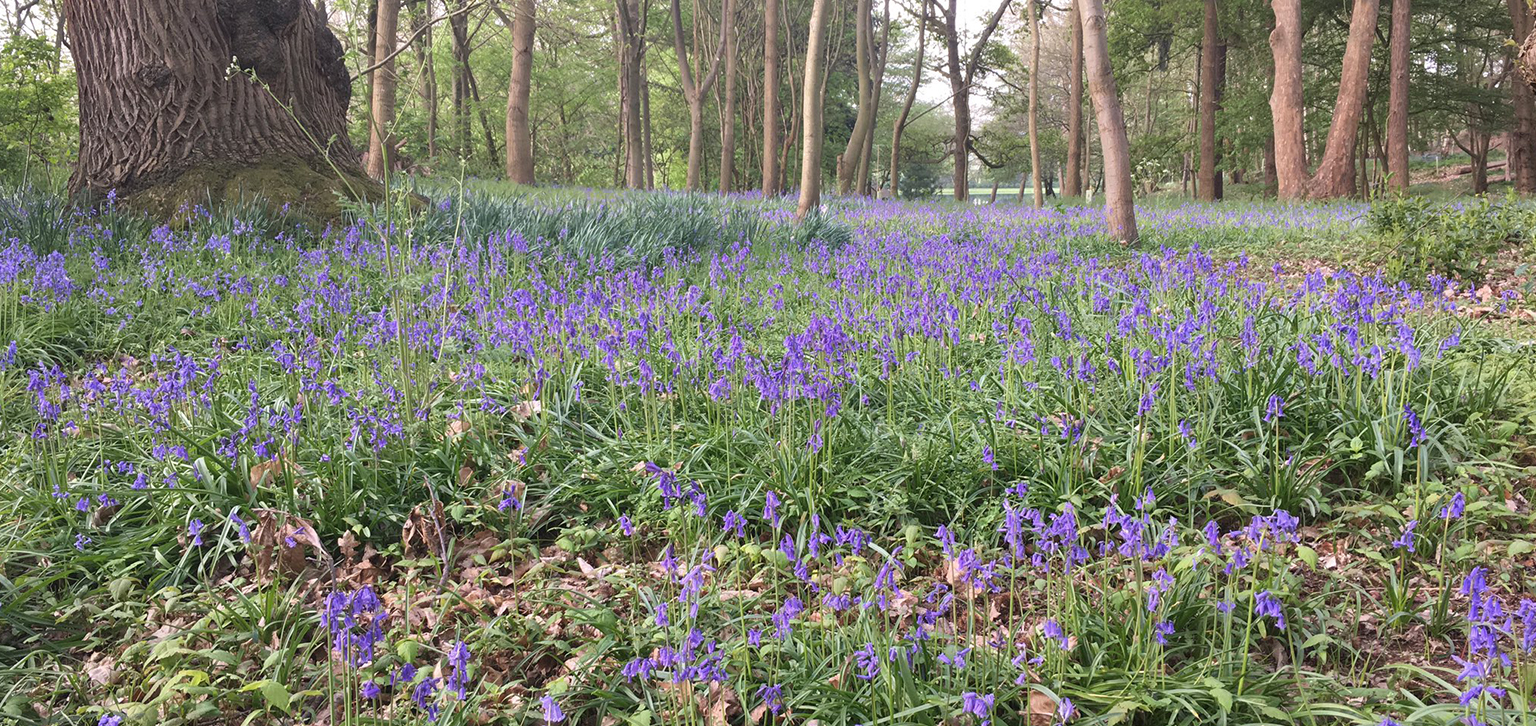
[[157, 103]]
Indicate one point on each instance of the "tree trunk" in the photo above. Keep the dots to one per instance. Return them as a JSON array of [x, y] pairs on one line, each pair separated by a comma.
[[906, 106], [428, 83], [696, 93], [1522, 152], [1271, 175], [771, 98], [1334, 176], [1072, 184], [458, 25], [879, 59], [1397, 96], [1120, 204], [381, 143], [962, 73], [162, 125], [728, 124], [848, 163], [1211, 82], [1285, 101], [1034, 94], [519, 141], [810, 164], [631, 51]]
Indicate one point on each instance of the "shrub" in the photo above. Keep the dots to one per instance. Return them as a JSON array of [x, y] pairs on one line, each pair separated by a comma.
[[1452, 241]]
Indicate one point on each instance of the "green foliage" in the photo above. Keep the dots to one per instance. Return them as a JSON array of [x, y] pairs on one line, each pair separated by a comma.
[[37, 117], [1456, 241]]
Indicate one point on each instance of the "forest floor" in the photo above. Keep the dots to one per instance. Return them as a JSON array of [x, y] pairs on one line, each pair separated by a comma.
[[662, 459]]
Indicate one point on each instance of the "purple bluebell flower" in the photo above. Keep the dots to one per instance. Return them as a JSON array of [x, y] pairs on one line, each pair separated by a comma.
[[551, 709]]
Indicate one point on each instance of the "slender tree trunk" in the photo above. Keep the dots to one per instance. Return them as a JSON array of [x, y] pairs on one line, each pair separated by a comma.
[[1120, 203], [1034, 93], [810, 165], [631, 50], [1072, 183], [1211, 82], [519, 140], [848, 163], [728, 124], [385, 82], [696, 93], [879, 58], [906, 107], [428, 88], [1285, 101], [648, 158], [1271, 175], [771, 112], [458, 25], [1397, 96], [1334, 177], [1522, 152], [162, 124]]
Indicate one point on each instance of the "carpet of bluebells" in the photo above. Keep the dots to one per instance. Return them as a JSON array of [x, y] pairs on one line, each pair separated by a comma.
[[673, 460]]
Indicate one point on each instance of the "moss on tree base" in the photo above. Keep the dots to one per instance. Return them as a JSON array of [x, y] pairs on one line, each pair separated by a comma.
[[284, 184]]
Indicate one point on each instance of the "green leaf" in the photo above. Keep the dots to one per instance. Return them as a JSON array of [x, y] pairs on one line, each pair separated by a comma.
[[1307, 555], [1521, 547], [1223, 697], [275, 694]]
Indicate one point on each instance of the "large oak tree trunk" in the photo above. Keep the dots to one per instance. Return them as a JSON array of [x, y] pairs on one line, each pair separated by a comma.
[[519, 139], [1397, 96], [1072, 183], [381, 143], [1212, 67], [1522, 152], [771, 98], [810, 164], [1120, 203], [162, 123]]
